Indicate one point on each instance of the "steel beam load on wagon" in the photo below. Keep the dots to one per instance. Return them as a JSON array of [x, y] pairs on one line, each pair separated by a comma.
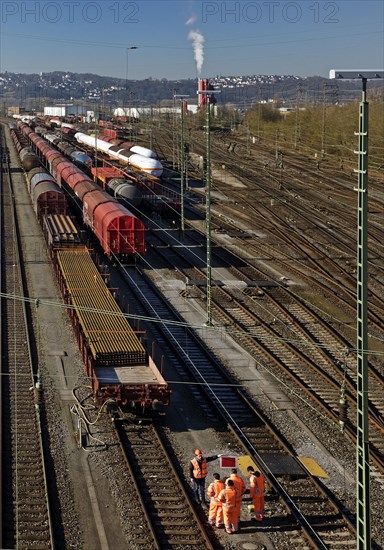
[[60, 231], [108, 334]]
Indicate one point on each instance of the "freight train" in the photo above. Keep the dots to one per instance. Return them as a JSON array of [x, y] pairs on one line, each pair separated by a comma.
[[119, 232], [120, 371], [118, 186], [77, 157], [130, 188], [135, 156]]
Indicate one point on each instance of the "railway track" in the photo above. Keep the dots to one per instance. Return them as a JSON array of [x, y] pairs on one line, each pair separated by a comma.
[[300, 496], [25, 498], [171, 518], [281, 338], [311, 236]]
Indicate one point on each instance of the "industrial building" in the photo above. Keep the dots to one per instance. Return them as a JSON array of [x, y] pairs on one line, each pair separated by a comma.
[[65, 110]]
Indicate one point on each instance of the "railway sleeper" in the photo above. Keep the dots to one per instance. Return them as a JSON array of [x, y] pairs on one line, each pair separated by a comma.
[[166, 515], [25, 469], [186, 542], [157, 477], [36, 546], [153, 496], [27, 458], [31, 497], [342, 543], [159, 491], [25, 527], [31, 482], [169, 515], [28, 536], [150, 462], [24, 424], [167, 498], [173, 523], [332, 528], [169, 507], [26, 512], [180, 533]]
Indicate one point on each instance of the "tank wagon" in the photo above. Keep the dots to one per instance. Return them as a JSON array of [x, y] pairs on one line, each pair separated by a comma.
[[127, 156], [112, 180], [119, 232]]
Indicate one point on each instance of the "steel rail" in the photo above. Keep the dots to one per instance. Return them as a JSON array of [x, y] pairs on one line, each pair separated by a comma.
[[241, 330], [152, 301], [158, 529], [17, 251]]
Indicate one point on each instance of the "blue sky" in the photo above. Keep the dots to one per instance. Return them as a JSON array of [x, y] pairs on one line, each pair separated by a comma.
[[240, 37]]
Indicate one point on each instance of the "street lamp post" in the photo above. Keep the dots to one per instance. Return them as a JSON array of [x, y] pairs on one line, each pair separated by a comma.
[[363, 519]]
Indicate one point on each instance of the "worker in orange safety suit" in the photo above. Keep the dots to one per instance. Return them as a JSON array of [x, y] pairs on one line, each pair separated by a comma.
[[241, 488], [257, 492], [215, 516], [228, 497], [198, 472]]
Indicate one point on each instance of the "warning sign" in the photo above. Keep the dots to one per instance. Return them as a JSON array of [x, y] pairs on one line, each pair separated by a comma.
[[228, 462]]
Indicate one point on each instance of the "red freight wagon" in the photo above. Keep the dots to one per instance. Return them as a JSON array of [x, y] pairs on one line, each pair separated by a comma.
[[90, 204], [67, 171], [24, 128], [52, 154], [47, 198], [58, 166], [76, 178], [110, 133], [119, 231], [83, 187], [42, 146], [68, 131]]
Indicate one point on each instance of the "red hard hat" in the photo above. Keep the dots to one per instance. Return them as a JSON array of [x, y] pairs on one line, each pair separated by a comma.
[[198, 452]]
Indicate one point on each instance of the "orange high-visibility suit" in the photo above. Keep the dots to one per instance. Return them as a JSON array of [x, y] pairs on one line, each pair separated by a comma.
[[228, 497], [257, 493], [241, 488], [215, 507]]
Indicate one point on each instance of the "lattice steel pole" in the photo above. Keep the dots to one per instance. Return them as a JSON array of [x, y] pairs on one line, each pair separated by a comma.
[[363, 516], [208, 95], [182, 164], [208, 214]]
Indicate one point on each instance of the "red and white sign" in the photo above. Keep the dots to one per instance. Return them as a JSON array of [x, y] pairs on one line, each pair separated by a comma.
[[228, 461]]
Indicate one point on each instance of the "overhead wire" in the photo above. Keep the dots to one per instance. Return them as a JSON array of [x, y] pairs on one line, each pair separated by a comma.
[[157, 319]]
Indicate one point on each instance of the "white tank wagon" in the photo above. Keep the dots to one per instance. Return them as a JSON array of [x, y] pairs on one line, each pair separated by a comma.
[[148, 165]]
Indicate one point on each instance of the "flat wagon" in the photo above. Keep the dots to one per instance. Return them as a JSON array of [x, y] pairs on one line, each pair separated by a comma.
[[119, 369]]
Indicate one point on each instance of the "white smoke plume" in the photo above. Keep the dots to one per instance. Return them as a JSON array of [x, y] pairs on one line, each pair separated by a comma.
[[191, 20], [198, 48]]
